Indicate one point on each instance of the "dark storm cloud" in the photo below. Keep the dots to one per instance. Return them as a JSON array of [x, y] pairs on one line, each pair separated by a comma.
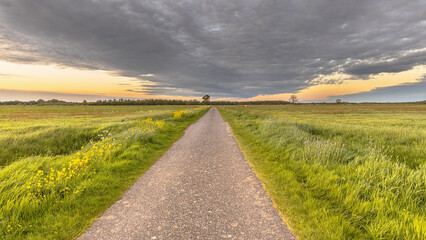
[[397, 64], [224, 48]]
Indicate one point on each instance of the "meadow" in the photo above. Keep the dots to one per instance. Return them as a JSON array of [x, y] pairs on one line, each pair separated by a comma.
[[62, 166], [340, 171]]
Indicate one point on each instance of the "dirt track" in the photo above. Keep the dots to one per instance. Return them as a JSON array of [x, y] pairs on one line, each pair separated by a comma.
[[202, 188]]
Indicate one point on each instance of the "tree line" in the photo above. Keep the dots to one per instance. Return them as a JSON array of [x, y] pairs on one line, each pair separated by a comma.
[[121, 101], [180, 102], [41, 102]]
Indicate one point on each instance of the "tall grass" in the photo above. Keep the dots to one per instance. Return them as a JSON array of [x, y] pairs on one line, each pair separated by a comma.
[[51, 131], [340, 172], [58, 196]]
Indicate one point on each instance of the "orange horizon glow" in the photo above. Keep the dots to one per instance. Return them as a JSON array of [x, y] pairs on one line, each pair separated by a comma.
[[65, 80], [350, 86], [105, 84]]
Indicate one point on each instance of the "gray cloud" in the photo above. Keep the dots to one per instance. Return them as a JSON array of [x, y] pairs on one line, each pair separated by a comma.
[[393, 65], [225, 48]]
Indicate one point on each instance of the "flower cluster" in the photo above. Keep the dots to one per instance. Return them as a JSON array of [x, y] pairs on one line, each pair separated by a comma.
[[147, 126], [179, 114], [17, 228], [56, 181]]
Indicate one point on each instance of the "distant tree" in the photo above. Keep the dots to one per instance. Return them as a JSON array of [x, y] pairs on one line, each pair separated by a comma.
[[206, 98], [293, 99], [40, 102], [338, 101], [84, 103]]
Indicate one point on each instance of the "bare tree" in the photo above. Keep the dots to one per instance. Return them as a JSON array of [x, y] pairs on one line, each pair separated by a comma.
[[293, 99], [206, 98], [338, 101]]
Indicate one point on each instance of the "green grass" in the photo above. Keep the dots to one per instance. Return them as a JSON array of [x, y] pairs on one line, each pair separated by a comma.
[[50, 131], [340, 171], [89, 156]]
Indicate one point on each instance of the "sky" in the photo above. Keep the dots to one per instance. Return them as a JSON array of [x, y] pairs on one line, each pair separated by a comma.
[[357, 51]]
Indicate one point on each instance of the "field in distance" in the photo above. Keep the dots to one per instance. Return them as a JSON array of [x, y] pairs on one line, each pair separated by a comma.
[[61, 166], [340, 171]]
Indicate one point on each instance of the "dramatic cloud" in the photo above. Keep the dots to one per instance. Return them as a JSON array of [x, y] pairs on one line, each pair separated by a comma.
[[393, 65], [225, 48]]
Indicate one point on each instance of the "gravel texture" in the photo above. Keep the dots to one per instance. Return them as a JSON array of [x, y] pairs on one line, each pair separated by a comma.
[[202, 188]]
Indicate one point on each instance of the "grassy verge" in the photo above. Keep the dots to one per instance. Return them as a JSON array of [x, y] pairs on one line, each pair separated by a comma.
[[334, 175], [58, 197], [59, 130]]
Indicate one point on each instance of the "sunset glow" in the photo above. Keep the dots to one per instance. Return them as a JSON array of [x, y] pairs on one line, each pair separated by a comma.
[[351, 86]]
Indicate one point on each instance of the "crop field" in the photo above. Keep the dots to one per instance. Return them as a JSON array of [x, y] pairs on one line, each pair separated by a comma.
[[60, 167], [340, 171]]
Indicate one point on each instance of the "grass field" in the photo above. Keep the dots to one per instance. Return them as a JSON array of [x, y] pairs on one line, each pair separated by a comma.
[[62, 166], [340, 171]]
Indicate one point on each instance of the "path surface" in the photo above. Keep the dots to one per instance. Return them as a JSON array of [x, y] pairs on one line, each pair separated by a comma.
[[202, 188]]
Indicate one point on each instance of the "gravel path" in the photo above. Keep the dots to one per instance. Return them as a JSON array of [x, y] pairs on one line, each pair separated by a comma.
[[202, 188]]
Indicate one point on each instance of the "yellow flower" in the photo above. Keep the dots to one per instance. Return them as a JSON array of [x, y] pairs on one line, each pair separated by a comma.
[[178, 114]]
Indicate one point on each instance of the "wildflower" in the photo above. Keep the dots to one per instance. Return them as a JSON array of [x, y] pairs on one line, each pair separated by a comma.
[[178, 114], [147, 126], [56, 181]]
